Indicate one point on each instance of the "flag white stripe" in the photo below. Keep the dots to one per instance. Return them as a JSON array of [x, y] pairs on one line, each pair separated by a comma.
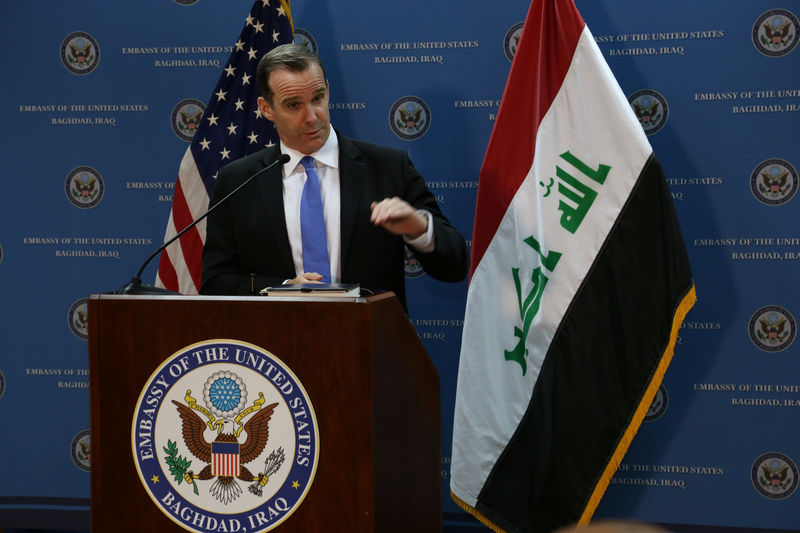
[[492, 394], [196, 198], [193, 188], [178, 259]]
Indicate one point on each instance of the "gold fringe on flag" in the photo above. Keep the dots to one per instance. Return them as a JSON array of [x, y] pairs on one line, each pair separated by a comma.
[[685, 305], [474, 512]]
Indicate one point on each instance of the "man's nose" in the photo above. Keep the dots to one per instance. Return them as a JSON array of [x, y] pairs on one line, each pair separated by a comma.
[[310, 116]]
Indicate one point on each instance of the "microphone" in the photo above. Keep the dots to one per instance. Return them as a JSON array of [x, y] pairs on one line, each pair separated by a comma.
[[134, 286]]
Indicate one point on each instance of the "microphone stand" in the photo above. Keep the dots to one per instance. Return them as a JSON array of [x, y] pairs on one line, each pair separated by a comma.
[[134, 286]]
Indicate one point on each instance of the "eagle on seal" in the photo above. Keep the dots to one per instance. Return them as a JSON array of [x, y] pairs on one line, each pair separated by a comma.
[[773, 329], [776, 182], [225, 487], [777, 32]]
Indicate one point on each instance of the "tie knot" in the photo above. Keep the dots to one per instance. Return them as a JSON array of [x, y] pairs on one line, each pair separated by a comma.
[[307, 162]]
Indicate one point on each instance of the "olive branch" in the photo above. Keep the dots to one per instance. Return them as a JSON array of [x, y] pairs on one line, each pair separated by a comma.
[[178, 465]]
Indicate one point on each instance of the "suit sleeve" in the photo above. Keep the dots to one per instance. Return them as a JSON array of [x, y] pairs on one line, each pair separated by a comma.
[[449, 260]]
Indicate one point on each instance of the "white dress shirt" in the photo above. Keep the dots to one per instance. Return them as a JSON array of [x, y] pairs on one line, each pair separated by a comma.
[[326, 163]]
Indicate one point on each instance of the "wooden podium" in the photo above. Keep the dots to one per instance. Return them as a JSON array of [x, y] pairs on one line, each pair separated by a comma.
[[373, 387]]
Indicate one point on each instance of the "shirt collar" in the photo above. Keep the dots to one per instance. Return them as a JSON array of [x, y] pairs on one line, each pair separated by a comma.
[[327, 155]]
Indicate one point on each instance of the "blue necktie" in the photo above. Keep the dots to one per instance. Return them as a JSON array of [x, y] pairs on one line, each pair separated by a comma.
[[312, 225]]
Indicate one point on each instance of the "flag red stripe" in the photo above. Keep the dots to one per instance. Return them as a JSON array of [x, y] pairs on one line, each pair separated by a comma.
[[225, 464], [528, 95], [166, 271], [191, 242]]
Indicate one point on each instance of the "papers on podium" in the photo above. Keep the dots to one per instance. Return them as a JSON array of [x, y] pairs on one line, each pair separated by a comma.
[[314, 290]]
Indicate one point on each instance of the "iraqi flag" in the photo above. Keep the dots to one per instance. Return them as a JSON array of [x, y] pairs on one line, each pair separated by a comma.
[[579, 284]]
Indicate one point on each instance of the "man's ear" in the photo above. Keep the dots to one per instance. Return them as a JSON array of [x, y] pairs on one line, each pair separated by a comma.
[[265, 108]]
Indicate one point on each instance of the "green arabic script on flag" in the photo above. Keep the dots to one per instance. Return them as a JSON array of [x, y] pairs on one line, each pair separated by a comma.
[[530, 307]]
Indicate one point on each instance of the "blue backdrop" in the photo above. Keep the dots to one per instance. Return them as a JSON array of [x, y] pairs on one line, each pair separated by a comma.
[[91, 148]]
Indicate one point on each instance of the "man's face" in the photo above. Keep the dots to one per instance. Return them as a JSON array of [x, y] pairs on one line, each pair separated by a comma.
[[299, 108]]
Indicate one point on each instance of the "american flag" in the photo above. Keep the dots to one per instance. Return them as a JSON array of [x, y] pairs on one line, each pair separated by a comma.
[[225, 459], [231, 127]]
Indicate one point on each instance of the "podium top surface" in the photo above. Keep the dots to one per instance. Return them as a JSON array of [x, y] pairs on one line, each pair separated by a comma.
[[250, 299]]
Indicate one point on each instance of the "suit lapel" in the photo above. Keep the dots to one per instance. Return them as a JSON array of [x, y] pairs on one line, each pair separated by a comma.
[[352, 171], [270, 188]]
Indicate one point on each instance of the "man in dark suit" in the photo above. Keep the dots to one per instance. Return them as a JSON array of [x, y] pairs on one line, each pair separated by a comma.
[[374, 201]]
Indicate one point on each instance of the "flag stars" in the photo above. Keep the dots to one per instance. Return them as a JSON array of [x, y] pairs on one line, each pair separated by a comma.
[[231, 97]]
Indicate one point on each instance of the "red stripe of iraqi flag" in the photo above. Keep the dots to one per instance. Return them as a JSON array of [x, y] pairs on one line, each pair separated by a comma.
[[540, 64]]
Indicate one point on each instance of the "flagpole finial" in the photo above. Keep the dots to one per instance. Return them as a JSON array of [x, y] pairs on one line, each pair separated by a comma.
[[287, 8]]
